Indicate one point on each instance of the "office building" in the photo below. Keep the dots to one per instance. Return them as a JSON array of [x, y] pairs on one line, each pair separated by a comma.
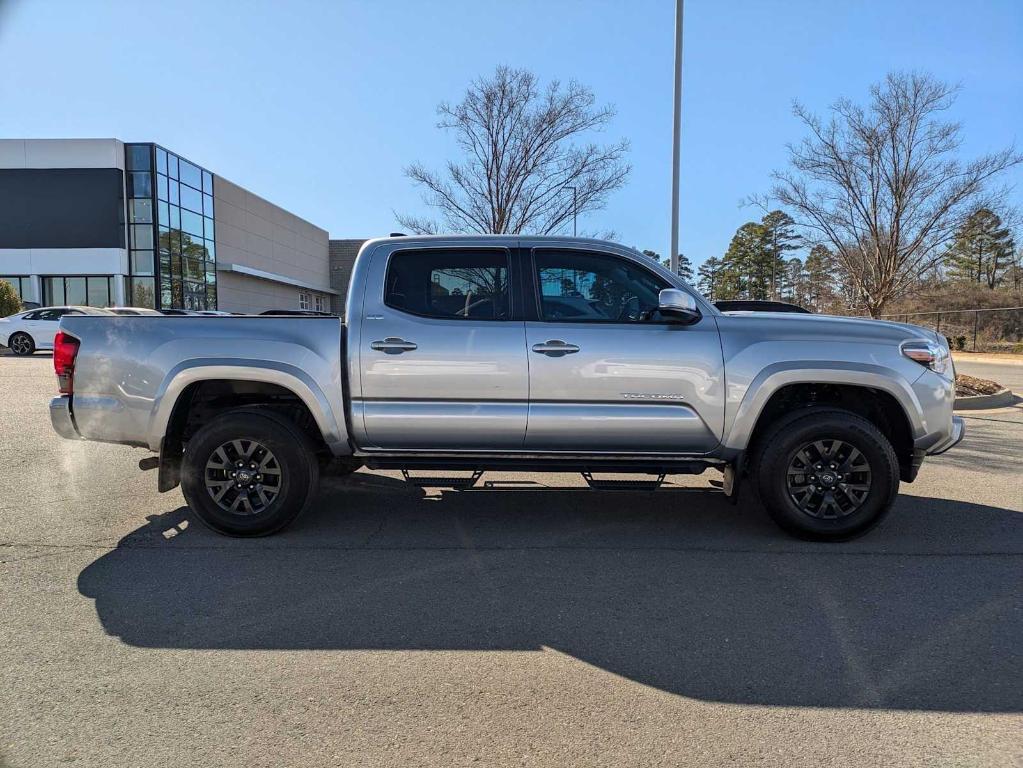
[[342, 259], [104, 222]]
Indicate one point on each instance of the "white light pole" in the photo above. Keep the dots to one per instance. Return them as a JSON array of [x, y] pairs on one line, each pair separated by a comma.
[[676, 136]]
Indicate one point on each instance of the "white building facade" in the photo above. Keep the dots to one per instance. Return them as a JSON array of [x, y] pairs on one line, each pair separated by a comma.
[[107, 223]]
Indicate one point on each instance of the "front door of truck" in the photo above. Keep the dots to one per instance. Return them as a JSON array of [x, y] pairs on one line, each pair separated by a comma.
[[442, 361], [606, 372]]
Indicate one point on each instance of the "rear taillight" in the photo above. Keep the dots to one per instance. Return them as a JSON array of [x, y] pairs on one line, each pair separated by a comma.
[[65, 349]]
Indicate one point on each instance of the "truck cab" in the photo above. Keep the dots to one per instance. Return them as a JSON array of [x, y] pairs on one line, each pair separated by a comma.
[[529, 346]]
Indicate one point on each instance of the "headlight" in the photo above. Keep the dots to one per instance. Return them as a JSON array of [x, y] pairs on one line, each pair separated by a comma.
[[929, 353]]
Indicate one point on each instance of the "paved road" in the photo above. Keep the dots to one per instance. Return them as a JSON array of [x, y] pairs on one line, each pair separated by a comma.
[[510, 625], [1007, 374]]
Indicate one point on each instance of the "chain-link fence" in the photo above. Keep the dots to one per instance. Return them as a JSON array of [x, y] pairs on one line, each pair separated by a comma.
[[976, 330]]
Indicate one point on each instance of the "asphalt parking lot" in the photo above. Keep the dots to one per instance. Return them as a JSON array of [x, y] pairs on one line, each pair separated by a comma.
[[507, 625]]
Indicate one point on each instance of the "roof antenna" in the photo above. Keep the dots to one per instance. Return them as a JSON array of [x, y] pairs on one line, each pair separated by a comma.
[[397, 234]]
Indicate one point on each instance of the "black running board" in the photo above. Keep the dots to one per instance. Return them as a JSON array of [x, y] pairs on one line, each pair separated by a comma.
[[644, 465], [622, 485], [457, 483]]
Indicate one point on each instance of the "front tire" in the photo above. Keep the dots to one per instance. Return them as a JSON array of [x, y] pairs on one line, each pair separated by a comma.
[[249, 472], [21, 344], [825, 474]]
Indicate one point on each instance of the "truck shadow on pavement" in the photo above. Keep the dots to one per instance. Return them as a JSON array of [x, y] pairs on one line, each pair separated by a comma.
[[677, 589]]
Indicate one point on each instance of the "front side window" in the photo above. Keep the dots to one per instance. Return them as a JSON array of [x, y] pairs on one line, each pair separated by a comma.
[[453, 285], [583, 287]]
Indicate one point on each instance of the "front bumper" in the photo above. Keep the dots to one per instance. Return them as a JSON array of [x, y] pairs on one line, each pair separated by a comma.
[[958, 433], [60, 418]]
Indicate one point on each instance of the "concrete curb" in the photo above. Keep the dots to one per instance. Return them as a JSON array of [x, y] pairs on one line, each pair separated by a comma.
[[999, 399]]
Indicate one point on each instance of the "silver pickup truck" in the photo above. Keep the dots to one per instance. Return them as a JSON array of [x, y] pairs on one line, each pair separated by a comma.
[[467, 354]]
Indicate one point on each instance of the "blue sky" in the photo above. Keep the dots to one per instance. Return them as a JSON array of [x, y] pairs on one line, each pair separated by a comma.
[[319, 105]]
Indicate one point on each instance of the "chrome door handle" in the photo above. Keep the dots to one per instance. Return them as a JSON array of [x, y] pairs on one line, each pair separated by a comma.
[[393, 345], [555, 348]]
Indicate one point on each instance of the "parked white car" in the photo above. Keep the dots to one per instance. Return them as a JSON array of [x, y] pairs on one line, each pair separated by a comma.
[[26, 332], [134, 311]]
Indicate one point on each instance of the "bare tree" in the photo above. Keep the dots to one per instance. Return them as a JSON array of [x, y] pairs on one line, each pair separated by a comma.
[[883, 185], [522, 170]]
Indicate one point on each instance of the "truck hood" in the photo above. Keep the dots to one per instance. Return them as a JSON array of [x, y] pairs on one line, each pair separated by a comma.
[[838, 327]]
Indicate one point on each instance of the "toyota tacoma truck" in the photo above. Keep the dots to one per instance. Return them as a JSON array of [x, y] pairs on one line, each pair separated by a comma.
[[475, 353]]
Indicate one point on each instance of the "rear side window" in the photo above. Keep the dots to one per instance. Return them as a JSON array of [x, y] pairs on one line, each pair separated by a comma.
[[449, 284], [50, 314]]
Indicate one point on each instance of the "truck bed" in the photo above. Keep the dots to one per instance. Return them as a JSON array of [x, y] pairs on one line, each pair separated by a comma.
[[130, 370]]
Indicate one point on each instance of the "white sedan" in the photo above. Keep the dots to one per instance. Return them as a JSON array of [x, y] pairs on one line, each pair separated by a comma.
[[25, 332]]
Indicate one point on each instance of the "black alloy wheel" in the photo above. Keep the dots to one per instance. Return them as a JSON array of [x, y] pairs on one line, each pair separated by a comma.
[[21, 344], [824, 473], [249, 472], [828, 478]]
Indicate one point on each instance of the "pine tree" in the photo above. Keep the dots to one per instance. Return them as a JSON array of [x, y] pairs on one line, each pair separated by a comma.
[[685, 268], [746, 274], [792, 285], [982, 249], [653, 255], [1014, 275], [819, 276], [779, 237], [708, 276]]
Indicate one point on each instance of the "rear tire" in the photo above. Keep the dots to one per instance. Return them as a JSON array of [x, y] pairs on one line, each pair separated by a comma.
[[825, 474], [21, 344], [249, 472]]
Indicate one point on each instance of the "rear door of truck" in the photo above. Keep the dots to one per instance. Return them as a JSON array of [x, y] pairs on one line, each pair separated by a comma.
[[442, 352]]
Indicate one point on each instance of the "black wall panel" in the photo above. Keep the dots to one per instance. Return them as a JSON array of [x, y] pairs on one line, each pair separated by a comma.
[[61, 208]]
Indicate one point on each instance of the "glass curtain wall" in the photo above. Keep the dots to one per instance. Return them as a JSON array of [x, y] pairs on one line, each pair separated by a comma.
[[170, 213]]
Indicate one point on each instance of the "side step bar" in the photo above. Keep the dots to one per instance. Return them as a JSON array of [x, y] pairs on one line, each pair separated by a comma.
[[440, 466], [597, 484], [652, 465], [622, 485], [457, 483]]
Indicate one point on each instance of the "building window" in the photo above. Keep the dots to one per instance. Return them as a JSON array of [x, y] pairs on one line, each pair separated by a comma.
[[19, 282], [143, 292], [303, 300], [87, 290], [319, 303], [177, 269], [137, 157]]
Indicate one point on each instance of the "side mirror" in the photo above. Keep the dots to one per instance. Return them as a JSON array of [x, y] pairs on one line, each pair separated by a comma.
[[678, 305]]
